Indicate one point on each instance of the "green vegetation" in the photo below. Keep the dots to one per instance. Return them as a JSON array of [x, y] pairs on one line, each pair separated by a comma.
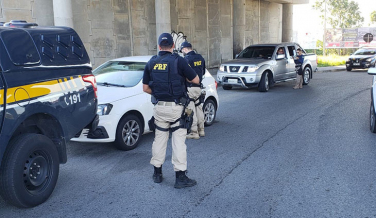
[[331, 60], [342, 13], [373, 17]]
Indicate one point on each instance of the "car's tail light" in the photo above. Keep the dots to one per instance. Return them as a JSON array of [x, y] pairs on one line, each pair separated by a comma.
[[91, 79], [216, 84]]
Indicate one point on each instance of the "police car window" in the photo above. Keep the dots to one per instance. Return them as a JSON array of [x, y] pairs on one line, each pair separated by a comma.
[[365, 52], [120, 73], [20, 47], [257, 52]]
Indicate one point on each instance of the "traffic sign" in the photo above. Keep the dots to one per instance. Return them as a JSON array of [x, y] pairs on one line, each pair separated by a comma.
[[368, 37]]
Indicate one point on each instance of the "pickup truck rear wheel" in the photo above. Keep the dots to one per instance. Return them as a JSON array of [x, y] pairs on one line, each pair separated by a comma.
[[226, 87], [29, 171], [264, 82], [306, 75], [128, 133]]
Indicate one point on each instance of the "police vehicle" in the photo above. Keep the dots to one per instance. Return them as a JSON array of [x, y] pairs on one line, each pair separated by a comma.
[[47, 95]]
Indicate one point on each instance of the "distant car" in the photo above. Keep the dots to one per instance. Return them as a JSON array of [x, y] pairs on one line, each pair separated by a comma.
[[124, 108], [372, 71], [261, 66], [363, 58]]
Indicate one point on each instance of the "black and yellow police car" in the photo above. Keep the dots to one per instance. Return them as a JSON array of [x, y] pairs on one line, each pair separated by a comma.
[[47, 95]]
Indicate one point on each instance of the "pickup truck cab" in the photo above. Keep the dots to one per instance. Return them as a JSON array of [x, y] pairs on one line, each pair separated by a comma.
[[47, 95], [261, 66]]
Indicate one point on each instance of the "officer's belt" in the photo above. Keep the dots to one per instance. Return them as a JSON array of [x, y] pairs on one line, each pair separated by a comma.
[[194, 85], [166, 103]]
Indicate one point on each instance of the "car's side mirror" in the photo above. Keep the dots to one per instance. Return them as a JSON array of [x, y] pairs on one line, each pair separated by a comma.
[[372, 71], [280, 56]]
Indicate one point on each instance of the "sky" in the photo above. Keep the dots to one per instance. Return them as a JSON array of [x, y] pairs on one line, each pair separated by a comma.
[[306, 21]]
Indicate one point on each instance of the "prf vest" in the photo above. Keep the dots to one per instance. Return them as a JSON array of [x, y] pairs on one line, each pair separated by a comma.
[[166, 83], [196, 62]]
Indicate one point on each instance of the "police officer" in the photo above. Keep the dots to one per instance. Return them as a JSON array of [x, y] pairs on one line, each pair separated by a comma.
[[165, 77], [197, 62]]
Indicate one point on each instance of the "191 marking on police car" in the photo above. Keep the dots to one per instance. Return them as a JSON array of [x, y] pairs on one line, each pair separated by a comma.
[[72, 99]]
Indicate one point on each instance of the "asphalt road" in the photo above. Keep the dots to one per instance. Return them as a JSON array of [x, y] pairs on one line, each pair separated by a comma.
[[284, 153]]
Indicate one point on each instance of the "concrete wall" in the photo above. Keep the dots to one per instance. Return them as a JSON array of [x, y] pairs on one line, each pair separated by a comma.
[[217, 29], [115, 28], [207, 24], [256, 22], [36, 11]]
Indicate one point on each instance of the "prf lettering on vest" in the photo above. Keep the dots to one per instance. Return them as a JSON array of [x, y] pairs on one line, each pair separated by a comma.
[[160, 67], [197, 63]]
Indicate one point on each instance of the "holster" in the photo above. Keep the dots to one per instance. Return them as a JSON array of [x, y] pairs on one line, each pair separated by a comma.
[[151, 124], [186, 120]]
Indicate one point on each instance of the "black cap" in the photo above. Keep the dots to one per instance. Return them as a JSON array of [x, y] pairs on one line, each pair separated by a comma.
[[185, 44], [165, 39]]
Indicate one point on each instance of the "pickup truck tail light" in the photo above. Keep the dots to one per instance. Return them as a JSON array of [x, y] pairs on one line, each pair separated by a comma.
[[216, 85], [91, 79]]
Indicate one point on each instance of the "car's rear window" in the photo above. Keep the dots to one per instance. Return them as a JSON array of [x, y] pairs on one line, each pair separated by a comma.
[[365, 52], [257, 52], [120, 73]]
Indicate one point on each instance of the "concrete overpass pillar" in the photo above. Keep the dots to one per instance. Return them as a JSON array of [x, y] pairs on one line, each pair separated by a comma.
[[63, 15], [287, 14], [162, 17], [238, 26]]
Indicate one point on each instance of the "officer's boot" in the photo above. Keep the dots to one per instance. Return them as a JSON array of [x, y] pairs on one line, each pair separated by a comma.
[[193, 135], [201, 132], [157, 176], [182, 180]]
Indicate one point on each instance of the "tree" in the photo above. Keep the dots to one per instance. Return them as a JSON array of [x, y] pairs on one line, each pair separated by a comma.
[[373, 17], [342, 13]]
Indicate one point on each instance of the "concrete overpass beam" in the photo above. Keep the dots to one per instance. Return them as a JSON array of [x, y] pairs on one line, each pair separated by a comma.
[[63, 15], [238, 26], [287, 14], [162, 17]]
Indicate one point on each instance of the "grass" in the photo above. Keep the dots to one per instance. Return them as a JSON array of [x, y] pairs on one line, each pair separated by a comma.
[[331, 60]]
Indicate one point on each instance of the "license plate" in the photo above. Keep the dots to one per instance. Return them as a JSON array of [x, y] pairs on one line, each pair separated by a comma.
[[357, 64], [232, 80]]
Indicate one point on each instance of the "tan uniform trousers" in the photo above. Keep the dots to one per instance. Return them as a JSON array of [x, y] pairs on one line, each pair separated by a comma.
[[164, 113], [299, 81], [198, 116]]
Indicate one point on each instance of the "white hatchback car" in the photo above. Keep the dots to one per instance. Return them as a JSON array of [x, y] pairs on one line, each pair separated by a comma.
[[124, 109]]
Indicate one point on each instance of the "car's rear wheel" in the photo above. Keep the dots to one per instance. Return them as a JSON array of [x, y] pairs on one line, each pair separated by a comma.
[[348, 68], [128, 133], [29, 171], [264, 82], [227, 87], [306, 75], [372, 118], [210, 112]]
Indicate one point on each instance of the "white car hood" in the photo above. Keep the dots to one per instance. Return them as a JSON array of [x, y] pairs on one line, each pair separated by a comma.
[[108, 94]]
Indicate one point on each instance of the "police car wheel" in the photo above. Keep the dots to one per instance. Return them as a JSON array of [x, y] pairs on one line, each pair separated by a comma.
[[264, 82], [225, 87], [372, 118], [128, 133], [306, 75], [30, 170], [210, 112], [348, 68]]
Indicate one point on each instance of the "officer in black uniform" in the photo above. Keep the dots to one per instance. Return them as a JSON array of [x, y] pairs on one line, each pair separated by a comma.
[[165, 77], [197, 62]]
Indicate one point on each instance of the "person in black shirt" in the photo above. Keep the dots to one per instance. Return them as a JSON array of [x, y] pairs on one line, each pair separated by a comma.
[[165, 77], [197, 62]]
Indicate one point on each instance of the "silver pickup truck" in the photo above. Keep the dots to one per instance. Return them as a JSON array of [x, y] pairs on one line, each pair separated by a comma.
[[262, 65]]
